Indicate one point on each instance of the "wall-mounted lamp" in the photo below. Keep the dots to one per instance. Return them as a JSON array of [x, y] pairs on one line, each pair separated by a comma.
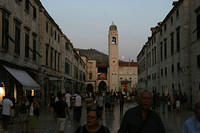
[[1, 85]]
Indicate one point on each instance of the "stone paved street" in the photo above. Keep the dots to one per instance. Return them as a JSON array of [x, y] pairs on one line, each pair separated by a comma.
[[173, 121]]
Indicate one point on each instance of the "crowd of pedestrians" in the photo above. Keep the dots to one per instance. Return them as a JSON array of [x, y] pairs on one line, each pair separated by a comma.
[[24, 111], [140, 119], [169, 103]]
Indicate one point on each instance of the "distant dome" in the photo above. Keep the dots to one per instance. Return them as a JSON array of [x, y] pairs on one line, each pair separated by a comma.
[[113, 27]]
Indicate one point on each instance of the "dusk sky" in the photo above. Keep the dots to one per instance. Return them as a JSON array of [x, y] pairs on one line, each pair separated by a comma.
[[86, 22]]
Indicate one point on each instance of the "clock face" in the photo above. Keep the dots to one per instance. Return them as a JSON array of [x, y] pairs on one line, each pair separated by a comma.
[[113, 61]]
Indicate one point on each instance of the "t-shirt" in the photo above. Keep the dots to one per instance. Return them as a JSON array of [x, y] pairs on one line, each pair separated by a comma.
[[67, 97], [60, 109], [133, 122], [6, 106], [82, 129], [77, 101], [192, 125]]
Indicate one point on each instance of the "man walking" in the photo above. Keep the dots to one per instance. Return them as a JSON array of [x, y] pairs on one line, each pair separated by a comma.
[[77, 107], [141, 119], [6, 112], [60, 110]]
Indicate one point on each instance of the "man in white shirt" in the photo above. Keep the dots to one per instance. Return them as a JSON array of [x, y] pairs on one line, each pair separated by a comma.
[[77, 107], [68, 99], [6, 112]]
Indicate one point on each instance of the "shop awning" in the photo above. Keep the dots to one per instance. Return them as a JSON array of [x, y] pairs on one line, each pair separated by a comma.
[[23, 78]]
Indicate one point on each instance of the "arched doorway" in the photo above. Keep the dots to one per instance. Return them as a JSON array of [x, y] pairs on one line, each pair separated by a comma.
[[90, 88], [102, 86]]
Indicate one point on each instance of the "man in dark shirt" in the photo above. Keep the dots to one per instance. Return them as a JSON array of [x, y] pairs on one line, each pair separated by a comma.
[[60, 112], [141, 119]]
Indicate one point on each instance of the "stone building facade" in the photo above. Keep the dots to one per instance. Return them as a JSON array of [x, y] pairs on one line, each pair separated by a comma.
[[34, 53], [167, 62], [19, 45], [107, 72]]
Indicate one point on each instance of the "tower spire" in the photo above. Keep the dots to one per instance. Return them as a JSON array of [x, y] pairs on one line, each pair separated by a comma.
[[112, 22]]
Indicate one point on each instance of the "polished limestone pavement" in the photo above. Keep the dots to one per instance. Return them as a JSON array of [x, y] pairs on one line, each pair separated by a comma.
[[173, 121]]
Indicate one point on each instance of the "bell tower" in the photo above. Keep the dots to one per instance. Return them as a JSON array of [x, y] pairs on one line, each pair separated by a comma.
[[113, 58]]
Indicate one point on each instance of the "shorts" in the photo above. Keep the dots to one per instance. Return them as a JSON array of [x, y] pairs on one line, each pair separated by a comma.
[[22, 117], [107, 105], [12, 112], [61, 124], [33, 122], [5, 118]]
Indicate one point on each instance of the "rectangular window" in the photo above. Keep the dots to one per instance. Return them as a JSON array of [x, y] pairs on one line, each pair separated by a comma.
[[51, 58], [51, 31], [178, 67], [26, 45], [5, 30], [34, 12], [47, 27], [165, 27], [55, 35], [90, 76], [172, 69], [27, 6], [67, 45], [161, 72], [166, 71], [17, 38], [47, 55], [58, 38], [58, 61], [198, 61], [172, 43], [155, 55], [177, 13], [75, 72], [172, 20], [198, 26], [67, 68], [161, 52], [178, 39], [55, 59], [165, 48], [34, 48]]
